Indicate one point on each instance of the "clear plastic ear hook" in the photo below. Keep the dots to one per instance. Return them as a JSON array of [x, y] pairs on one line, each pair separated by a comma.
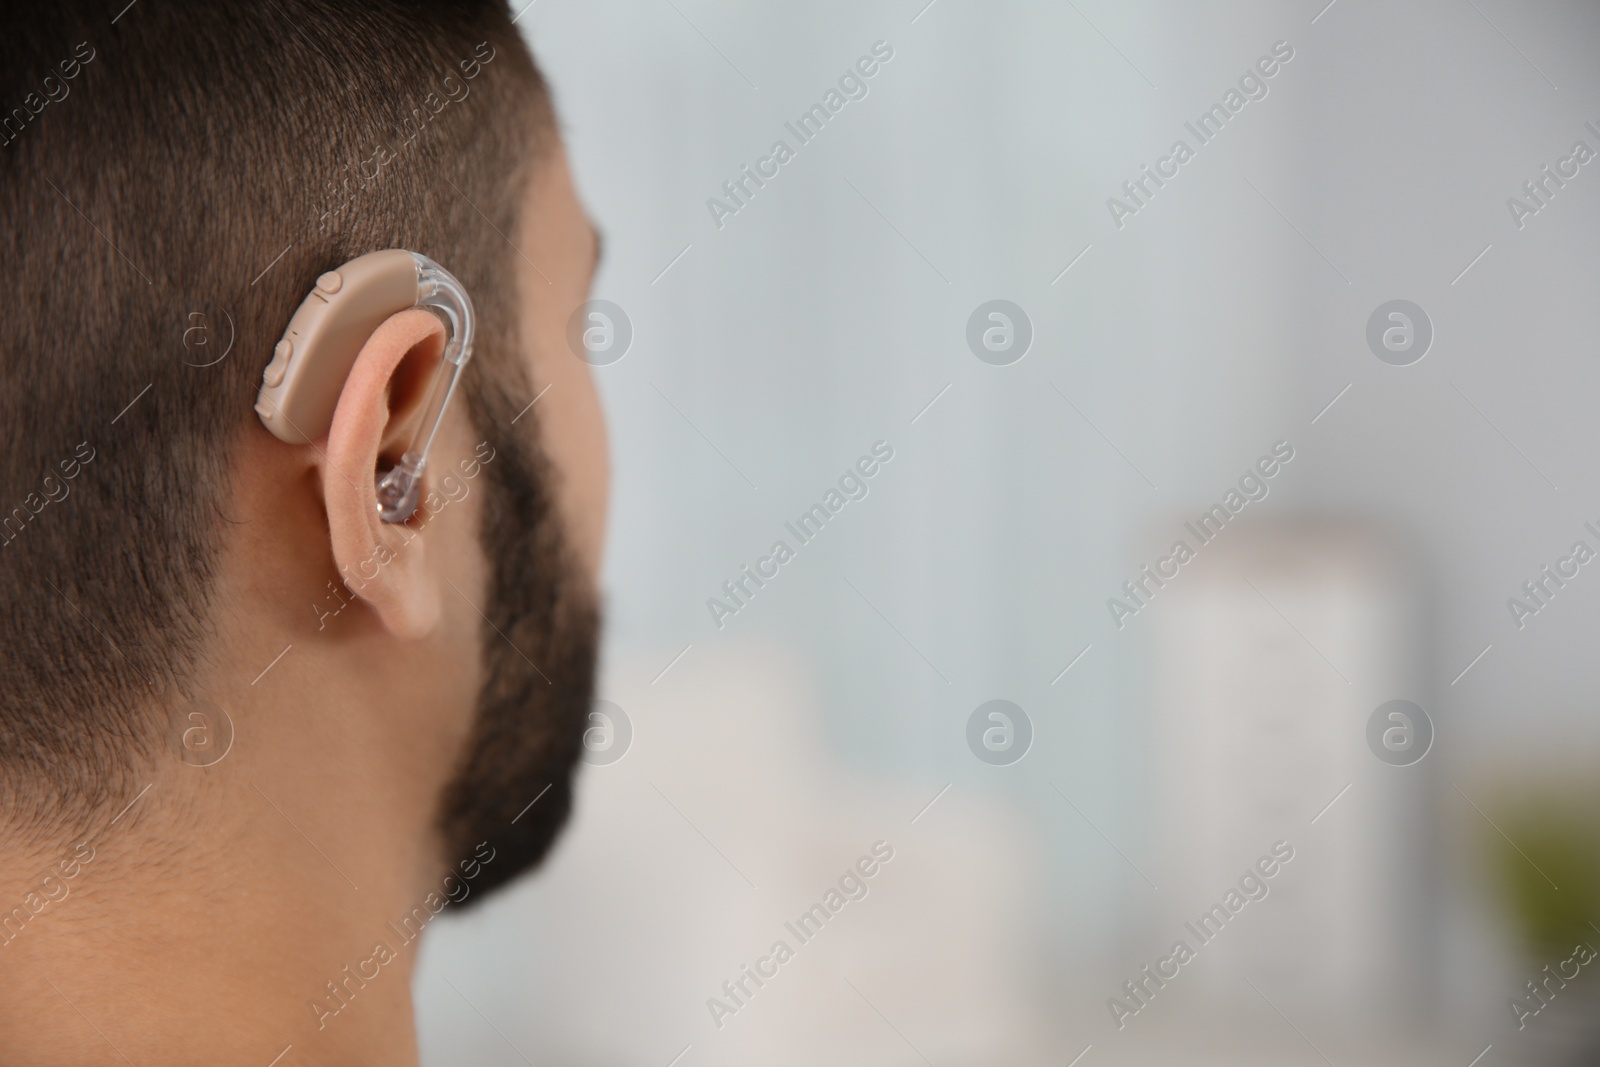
[[439, 291]]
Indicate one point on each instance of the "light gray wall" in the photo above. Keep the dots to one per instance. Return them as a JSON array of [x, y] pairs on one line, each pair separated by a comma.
[[1221, 318]]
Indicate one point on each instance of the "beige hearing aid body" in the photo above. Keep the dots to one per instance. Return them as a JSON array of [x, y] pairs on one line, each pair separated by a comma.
[[301, 386], [310, 363]]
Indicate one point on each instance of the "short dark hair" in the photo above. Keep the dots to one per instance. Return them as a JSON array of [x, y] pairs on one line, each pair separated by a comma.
[[173, 178]]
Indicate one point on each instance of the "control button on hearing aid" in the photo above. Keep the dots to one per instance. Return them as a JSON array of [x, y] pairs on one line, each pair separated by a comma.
[[330, 282], [273, 375]]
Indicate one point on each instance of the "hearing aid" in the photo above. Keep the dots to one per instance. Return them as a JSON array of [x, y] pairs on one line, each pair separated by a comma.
[[301, 386]]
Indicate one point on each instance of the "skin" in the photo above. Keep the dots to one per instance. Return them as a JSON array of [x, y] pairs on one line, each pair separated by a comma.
[[226, 897]]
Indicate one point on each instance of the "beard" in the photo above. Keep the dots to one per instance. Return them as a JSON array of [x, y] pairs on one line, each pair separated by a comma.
[[512, 793]]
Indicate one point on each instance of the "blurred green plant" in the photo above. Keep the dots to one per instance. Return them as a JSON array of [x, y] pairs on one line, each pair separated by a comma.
[[1548, 866]]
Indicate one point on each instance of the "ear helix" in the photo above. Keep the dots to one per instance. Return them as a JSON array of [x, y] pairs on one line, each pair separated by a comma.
[[310, 363], [439, 290]]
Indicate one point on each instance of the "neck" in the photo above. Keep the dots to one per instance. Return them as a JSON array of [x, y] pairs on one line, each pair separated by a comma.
[[264, 908], [260, 910]]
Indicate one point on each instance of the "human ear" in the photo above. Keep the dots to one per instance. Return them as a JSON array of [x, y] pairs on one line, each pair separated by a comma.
[[384, 564]]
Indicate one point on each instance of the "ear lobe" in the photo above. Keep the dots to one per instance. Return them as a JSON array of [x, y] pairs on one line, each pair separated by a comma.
[[384, 564]]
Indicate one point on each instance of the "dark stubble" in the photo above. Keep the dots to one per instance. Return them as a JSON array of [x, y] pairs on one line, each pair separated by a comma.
[[539, 676]]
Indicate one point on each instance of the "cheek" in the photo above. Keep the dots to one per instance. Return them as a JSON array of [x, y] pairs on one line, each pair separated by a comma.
[[458, 552], [572, 427], [571, 434], [576, 443]]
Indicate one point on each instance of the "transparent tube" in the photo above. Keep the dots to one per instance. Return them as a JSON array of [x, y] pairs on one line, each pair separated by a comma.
[[439, 291]]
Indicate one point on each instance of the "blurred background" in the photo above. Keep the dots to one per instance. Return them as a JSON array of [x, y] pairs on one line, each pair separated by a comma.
[[1340, 746]]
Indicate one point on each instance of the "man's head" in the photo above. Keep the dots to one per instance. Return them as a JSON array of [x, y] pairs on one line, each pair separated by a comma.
[[172, 183]]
